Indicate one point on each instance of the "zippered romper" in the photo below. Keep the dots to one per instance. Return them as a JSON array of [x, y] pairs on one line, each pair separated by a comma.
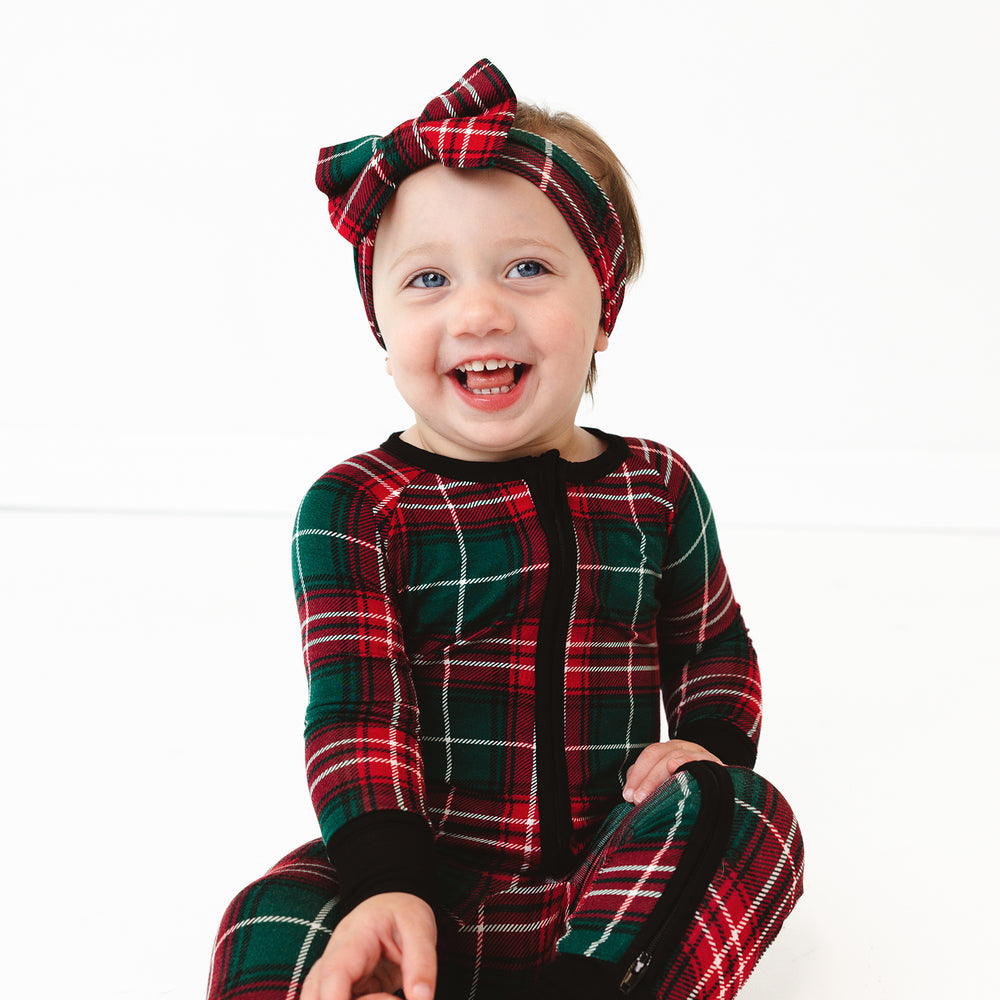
[[487, 646]]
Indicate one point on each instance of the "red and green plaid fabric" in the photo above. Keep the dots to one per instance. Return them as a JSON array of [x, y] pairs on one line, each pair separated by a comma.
[[441, 603], [487, 644], [466, 126], [747, 900], [749, 896], [469, 127], [277, 928]]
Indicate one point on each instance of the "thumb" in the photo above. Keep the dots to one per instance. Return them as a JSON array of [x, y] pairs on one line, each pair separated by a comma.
[[419, 961]]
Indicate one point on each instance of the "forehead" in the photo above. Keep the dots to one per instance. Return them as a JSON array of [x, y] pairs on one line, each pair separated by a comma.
[[446, 201]]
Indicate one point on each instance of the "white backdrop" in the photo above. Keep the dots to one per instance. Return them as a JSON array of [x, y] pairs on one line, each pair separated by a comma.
[[817, 324], [184, 351]]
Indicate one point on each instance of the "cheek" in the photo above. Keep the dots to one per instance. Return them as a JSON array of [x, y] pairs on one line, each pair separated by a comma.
[[589, 304], [408, 354]]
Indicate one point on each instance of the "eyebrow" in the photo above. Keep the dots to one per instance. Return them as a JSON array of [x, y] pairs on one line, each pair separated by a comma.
[[419, 250], [535, 241], [432, 247]]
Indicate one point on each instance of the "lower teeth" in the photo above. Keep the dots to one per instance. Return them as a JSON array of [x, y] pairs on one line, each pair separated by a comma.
[[490, 392]]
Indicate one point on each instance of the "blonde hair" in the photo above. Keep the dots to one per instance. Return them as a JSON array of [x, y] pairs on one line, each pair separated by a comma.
[[584, 144]]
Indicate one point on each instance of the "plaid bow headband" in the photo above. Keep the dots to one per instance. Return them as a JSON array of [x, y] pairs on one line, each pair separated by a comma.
[[469, 126]]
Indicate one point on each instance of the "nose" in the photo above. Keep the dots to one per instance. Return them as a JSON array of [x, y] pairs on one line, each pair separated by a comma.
[[479, 309]]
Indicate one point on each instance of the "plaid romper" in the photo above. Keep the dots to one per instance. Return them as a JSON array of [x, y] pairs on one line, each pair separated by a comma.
[[487, 645]]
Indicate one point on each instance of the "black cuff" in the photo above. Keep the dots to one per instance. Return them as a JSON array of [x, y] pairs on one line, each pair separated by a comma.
[[728, 742], [384, 851], [573, 977]]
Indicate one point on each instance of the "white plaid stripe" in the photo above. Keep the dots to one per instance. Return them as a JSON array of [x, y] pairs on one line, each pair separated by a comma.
[[635, 617], [443, 98], [462, 581], [513, 493], [777, 913], [543, 180], [347, 150], [419, 140], [459, 622], [721, 989], [480, 935], [374, 165], [710, 599], [638, 870], [626, 904], [466, 85], [391, 758], [293, 986], [314, 926]]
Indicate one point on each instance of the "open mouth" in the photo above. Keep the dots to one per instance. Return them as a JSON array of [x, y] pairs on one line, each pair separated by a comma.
[[492, 377]]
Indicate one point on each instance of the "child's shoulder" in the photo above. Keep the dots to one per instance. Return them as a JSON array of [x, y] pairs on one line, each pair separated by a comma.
[[658, 458], [675, 481], [373, 479]]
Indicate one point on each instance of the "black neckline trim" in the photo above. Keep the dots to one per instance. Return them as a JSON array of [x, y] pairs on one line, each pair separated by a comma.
[[611, 458]]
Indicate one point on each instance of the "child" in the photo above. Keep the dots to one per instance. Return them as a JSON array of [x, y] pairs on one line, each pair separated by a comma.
[[493, 602]]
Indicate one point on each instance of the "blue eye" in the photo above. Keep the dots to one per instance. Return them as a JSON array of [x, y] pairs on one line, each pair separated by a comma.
[[429, 279], [527, 269]]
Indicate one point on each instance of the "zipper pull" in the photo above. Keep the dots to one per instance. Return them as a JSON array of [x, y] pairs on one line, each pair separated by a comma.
[[635, 972]]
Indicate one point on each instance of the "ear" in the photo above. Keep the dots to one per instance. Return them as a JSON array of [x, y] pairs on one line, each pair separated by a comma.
[[601, 343], [388, 365]]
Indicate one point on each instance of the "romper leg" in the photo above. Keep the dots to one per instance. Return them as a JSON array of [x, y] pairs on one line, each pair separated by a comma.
[[275, 929], [686, 892]]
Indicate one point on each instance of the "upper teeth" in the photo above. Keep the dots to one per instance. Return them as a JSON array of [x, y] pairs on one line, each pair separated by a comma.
[[491, 365]]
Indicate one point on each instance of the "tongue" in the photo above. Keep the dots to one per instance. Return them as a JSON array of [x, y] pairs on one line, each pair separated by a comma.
[[489, 380]]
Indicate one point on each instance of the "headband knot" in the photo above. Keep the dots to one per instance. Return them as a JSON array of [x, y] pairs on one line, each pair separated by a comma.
[[466, 126], [469, 126]]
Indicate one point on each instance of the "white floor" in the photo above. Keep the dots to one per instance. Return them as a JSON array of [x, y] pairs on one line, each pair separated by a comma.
[[152, 719]]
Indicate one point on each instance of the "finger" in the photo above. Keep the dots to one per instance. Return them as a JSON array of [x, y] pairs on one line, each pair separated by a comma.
[[652, 779], [317, 983], [662, 771], [387, 978], [637, 773], [419, 960], [310, 991], [335, 985], [667, 767], [646, 763], [334, 976]]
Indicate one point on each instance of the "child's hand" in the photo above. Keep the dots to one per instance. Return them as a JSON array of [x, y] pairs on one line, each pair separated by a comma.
[[385, 942], [656, 763]]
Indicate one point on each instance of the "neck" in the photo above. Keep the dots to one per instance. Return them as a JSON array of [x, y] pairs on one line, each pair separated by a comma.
[[581, 446]]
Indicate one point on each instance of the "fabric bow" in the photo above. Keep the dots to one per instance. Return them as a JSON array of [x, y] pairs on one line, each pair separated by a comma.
[[466, 126], [469, 126]]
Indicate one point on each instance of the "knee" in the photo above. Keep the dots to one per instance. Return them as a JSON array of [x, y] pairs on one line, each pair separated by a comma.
[[276, 927], [764, 821]]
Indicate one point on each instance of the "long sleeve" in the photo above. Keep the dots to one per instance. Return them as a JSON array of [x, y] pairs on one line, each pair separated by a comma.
[[361, 727], [709, 673]]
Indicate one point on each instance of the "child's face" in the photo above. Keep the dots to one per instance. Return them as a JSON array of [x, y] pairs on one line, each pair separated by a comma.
[[476, 266]]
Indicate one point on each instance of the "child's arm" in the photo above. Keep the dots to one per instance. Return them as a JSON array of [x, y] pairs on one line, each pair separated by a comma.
[[362, 752], [708, 668]]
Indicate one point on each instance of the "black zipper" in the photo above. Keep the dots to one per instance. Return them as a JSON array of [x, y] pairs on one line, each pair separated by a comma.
[[548, 491], [660, 939]]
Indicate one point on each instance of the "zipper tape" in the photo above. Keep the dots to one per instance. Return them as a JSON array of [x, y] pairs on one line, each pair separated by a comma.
[[660, 939]]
